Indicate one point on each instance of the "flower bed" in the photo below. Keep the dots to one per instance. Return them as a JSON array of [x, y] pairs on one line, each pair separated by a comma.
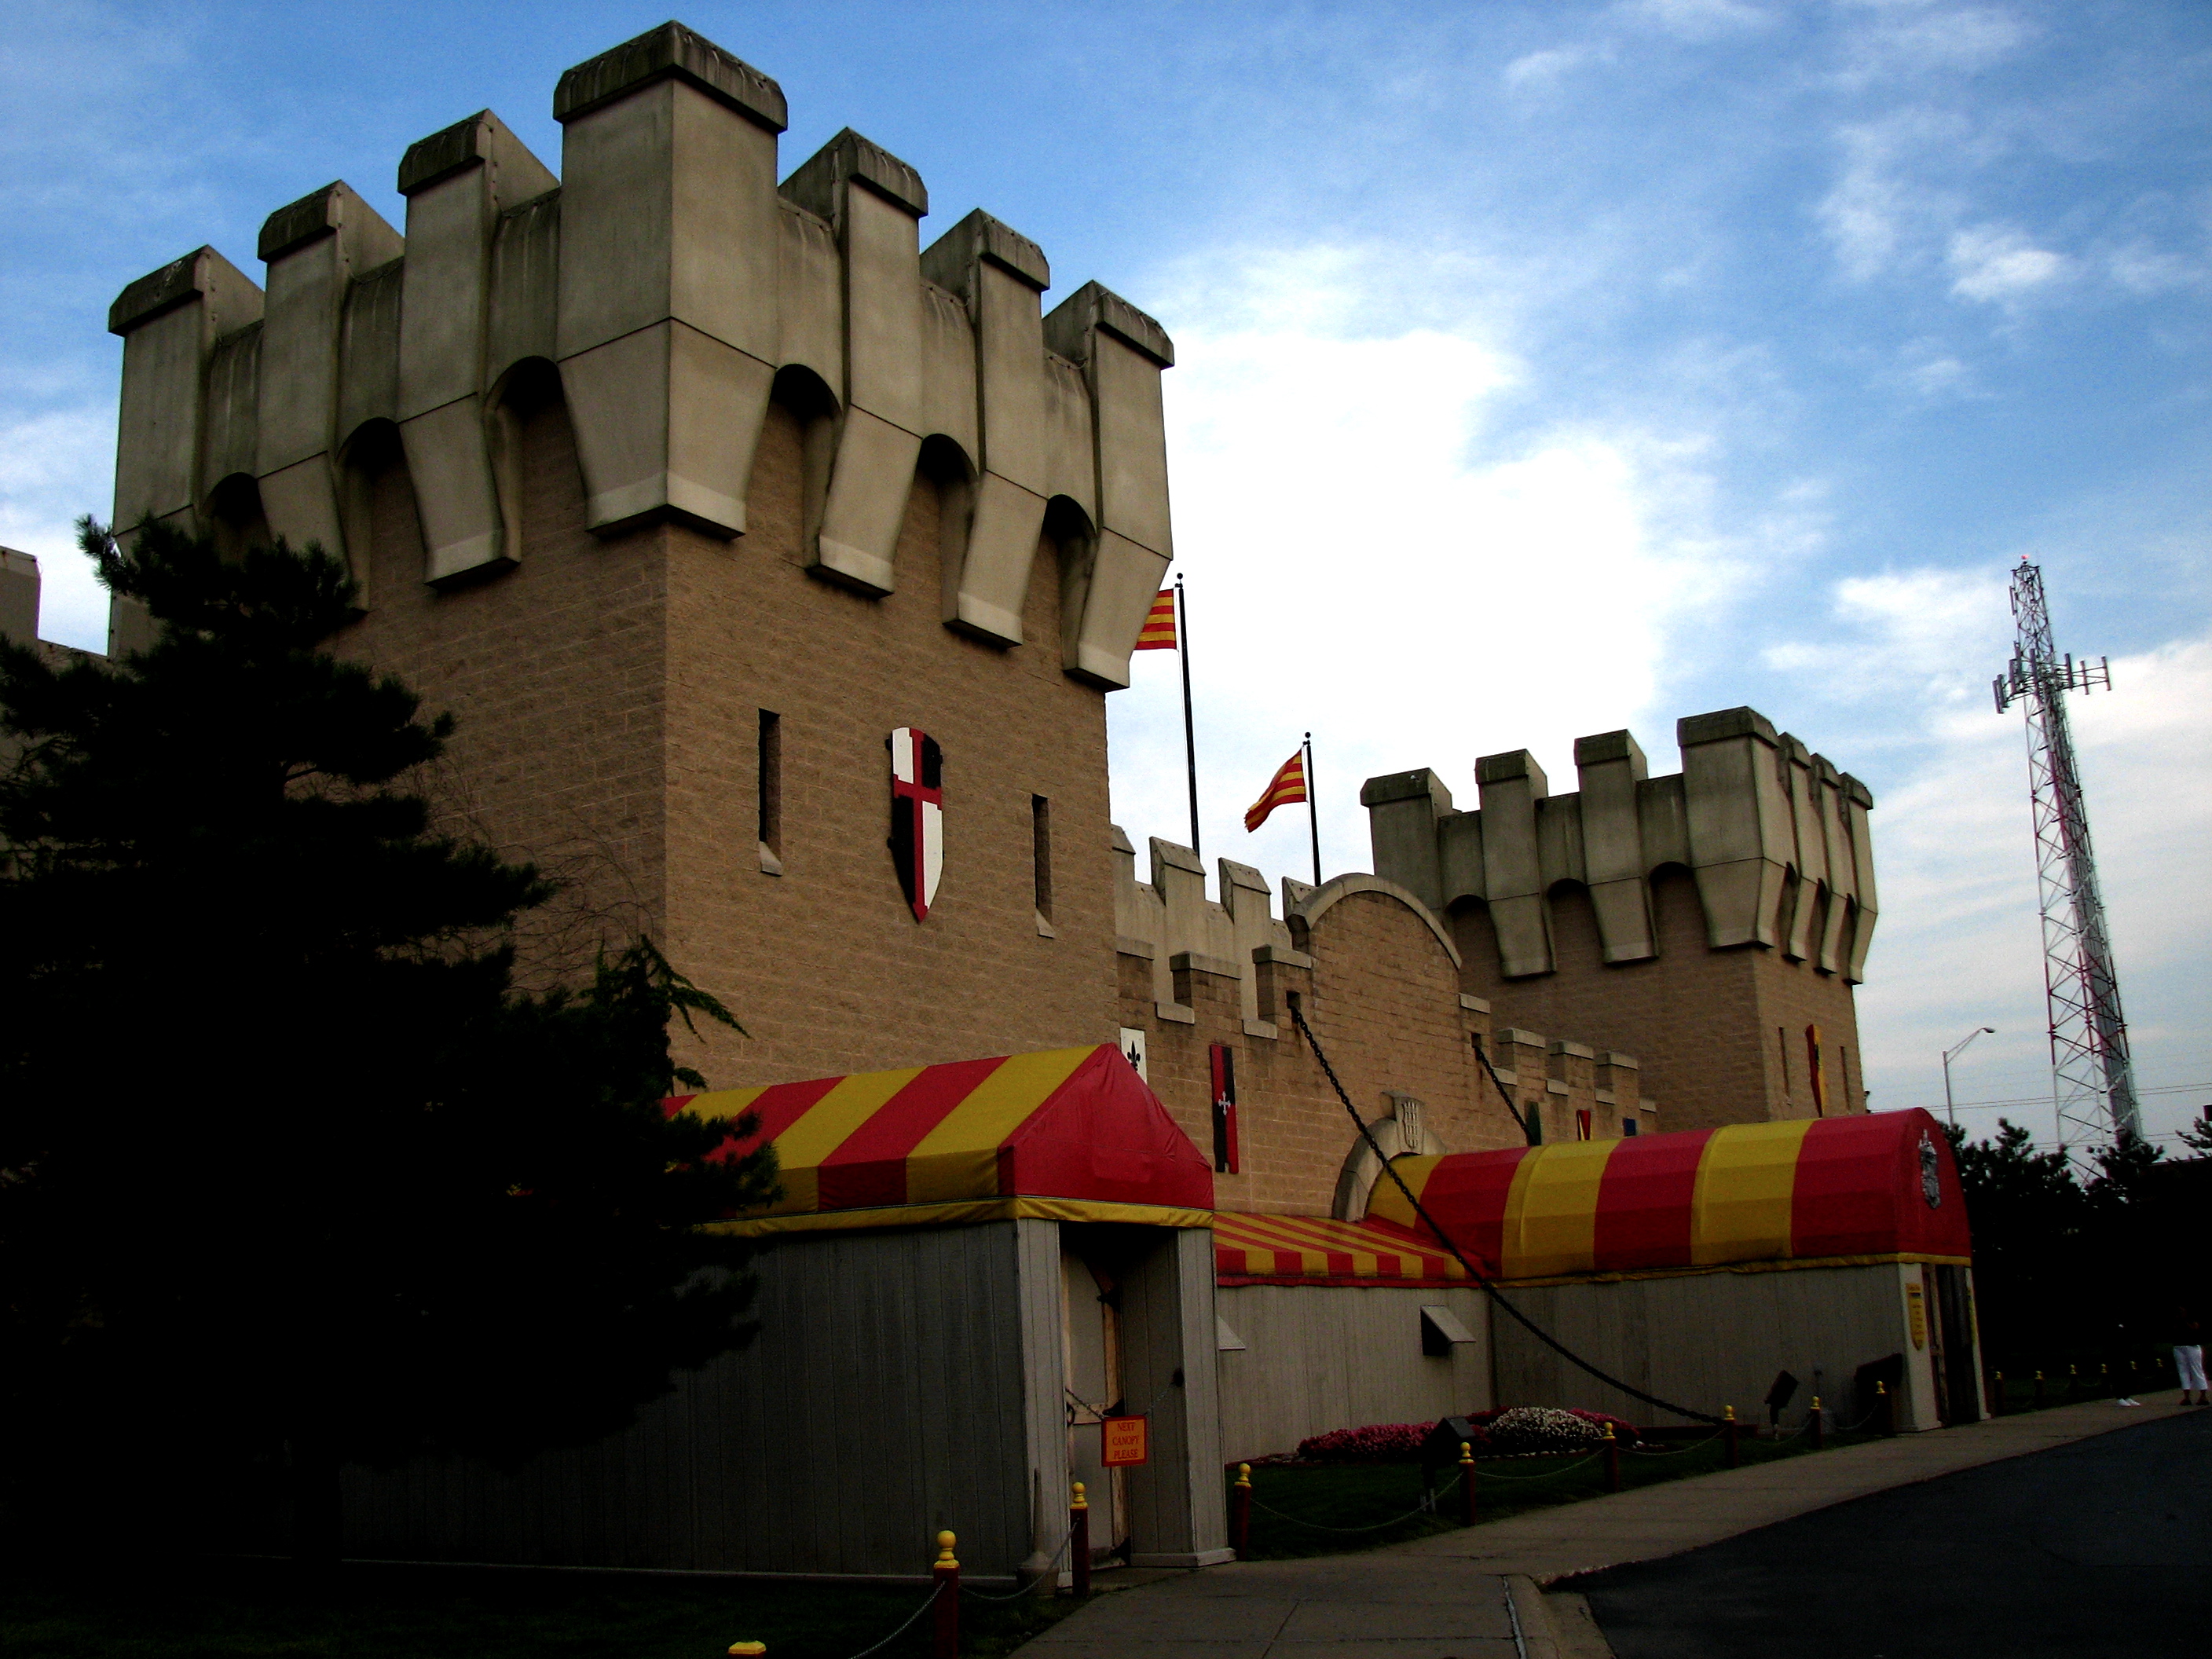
[[1508, 1432], [1534, 1430]]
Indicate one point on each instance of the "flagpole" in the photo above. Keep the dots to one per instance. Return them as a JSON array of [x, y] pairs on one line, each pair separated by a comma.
[[1190, 732], [1313, 812]]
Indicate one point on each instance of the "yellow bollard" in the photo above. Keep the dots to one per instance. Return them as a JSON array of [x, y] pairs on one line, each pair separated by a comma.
[[1078, 1537], [947, 1574]]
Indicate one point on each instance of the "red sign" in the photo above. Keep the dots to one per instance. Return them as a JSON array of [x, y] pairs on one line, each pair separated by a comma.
[[1125, 1440]]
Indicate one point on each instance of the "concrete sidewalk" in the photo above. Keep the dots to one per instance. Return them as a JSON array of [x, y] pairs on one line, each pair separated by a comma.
[[1472, 1593]]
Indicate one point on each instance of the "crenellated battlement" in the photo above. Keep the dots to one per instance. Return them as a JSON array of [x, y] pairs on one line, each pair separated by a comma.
[[1206, 993], [1776, 839], [676, 289]]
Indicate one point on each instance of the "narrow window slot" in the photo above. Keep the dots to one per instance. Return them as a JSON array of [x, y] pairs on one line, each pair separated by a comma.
[[769, 791], [1040, 861]]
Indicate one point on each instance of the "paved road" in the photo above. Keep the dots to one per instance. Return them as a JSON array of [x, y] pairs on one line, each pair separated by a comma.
[[2101, 1548]]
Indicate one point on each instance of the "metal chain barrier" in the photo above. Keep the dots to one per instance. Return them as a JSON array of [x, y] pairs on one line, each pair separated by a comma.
[[1033, 1585], [1427, 1506], [902, 1629], [1481, 1279], [1695, 1445], [1545, 1474]]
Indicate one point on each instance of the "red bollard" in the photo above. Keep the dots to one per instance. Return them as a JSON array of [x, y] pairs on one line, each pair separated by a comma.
[[947, 1611], [1730, 1425], [1996, 1394], [1885, 1406], [1465, 1483], [1612, 1461], [1240, 1513], [1078, 1537], [2039, 1391]]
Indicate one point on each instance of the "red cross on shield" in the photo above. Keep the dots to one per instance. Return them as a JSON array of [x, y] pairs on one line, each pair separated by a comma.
[[917, 815]]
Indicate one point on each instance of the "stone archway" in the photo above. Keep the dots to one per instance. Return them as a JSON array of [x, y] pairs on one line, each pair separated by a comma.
[[1404, 1131]]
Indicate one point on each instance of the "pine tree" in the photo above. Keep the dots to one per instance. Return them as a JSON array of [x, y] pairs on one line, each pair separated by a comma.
[[291, 1173]]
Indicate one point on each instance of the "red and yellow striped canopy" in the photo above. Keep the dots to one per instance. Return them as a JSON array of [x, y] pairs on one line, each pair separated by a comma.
[[1862, 1188], [1297, 1249], [963, 1141]]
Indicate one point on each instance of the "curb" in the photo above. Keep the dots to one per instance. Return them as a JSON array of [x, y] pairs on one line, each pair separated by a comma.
[[1556, 1626]]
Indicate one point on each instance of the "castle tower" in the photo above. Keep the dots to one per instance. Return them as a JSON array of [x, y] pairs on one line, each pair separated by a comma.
[[1712, 923], [685, 490]]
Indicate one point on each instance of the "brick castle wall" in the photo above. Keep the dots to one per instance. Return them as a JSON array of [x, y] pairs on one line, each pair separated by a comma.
[[1703, 1023], [608, 693]]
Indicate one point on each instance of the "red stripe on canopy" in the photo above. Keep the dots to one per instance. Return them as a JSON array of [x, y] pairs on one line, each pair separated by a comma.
[[870, 1167], [1643, 1203]]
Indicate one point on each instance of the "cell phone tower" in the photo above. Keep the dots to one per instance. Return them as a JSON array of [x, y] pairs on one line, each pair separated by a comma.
[[2093, 1082]]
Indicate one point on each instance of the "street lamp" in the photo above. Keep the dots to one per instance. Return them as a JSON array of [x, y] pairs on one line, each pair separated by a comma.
[[1952, 1053]]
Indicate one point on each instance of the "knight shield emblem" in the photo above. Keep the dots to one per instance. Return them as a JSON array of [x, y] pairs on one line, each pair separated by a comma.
[[917, 816]]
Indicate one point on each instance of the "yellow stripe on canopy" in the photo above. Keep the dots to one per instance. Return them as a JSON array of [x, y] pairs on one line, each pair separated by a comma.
[[824, 1127], [1387, 1203], [1746, 1180], [724, 1102], [959, 1157], [1550, 1216]]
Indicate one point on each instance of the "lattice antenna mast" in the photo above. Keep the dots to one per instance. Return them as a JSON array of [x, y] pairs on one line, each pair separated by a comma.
[[2093, 1081]]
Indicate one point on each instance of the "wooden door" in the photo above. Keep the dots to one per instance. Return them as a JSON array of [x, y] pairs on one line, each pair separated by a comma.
[[1091, 1351]]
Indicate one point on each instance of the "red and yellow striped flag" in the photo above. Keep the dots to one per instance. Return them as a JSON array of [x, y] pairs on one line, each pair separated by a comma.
[[1159, 630], [1286, 787]]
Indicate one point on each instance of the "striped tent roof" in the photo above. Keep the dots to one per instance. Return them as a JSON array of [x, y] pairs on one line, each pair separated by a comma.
[[1074, 1133], [1297, 1249], [1863, 1187]]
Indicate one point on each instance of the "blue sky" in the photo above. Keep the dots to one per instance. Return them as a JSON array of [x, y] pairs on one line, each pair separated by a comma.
[[1545, 368]]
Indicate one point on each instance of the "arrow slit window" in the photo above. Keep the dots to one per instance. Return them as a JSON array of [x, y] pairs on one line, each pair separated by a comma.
[[1041, 858], [768, 791]]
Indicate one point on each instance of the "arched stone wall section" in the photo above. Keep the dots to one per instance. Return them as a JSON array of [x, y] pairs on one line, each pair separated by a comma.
[[1406, 1132], [1318, 901]]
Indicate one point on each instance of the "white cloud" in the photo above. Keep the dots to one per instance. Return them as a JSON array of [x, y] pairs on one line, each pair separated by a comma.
[[1878, 209], [1543, 69], [2144, 270], [1367, 559], [1994, 263], [1694, 20], [54, 466], [1935, 635], [1938, 377], [1903, 41]]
